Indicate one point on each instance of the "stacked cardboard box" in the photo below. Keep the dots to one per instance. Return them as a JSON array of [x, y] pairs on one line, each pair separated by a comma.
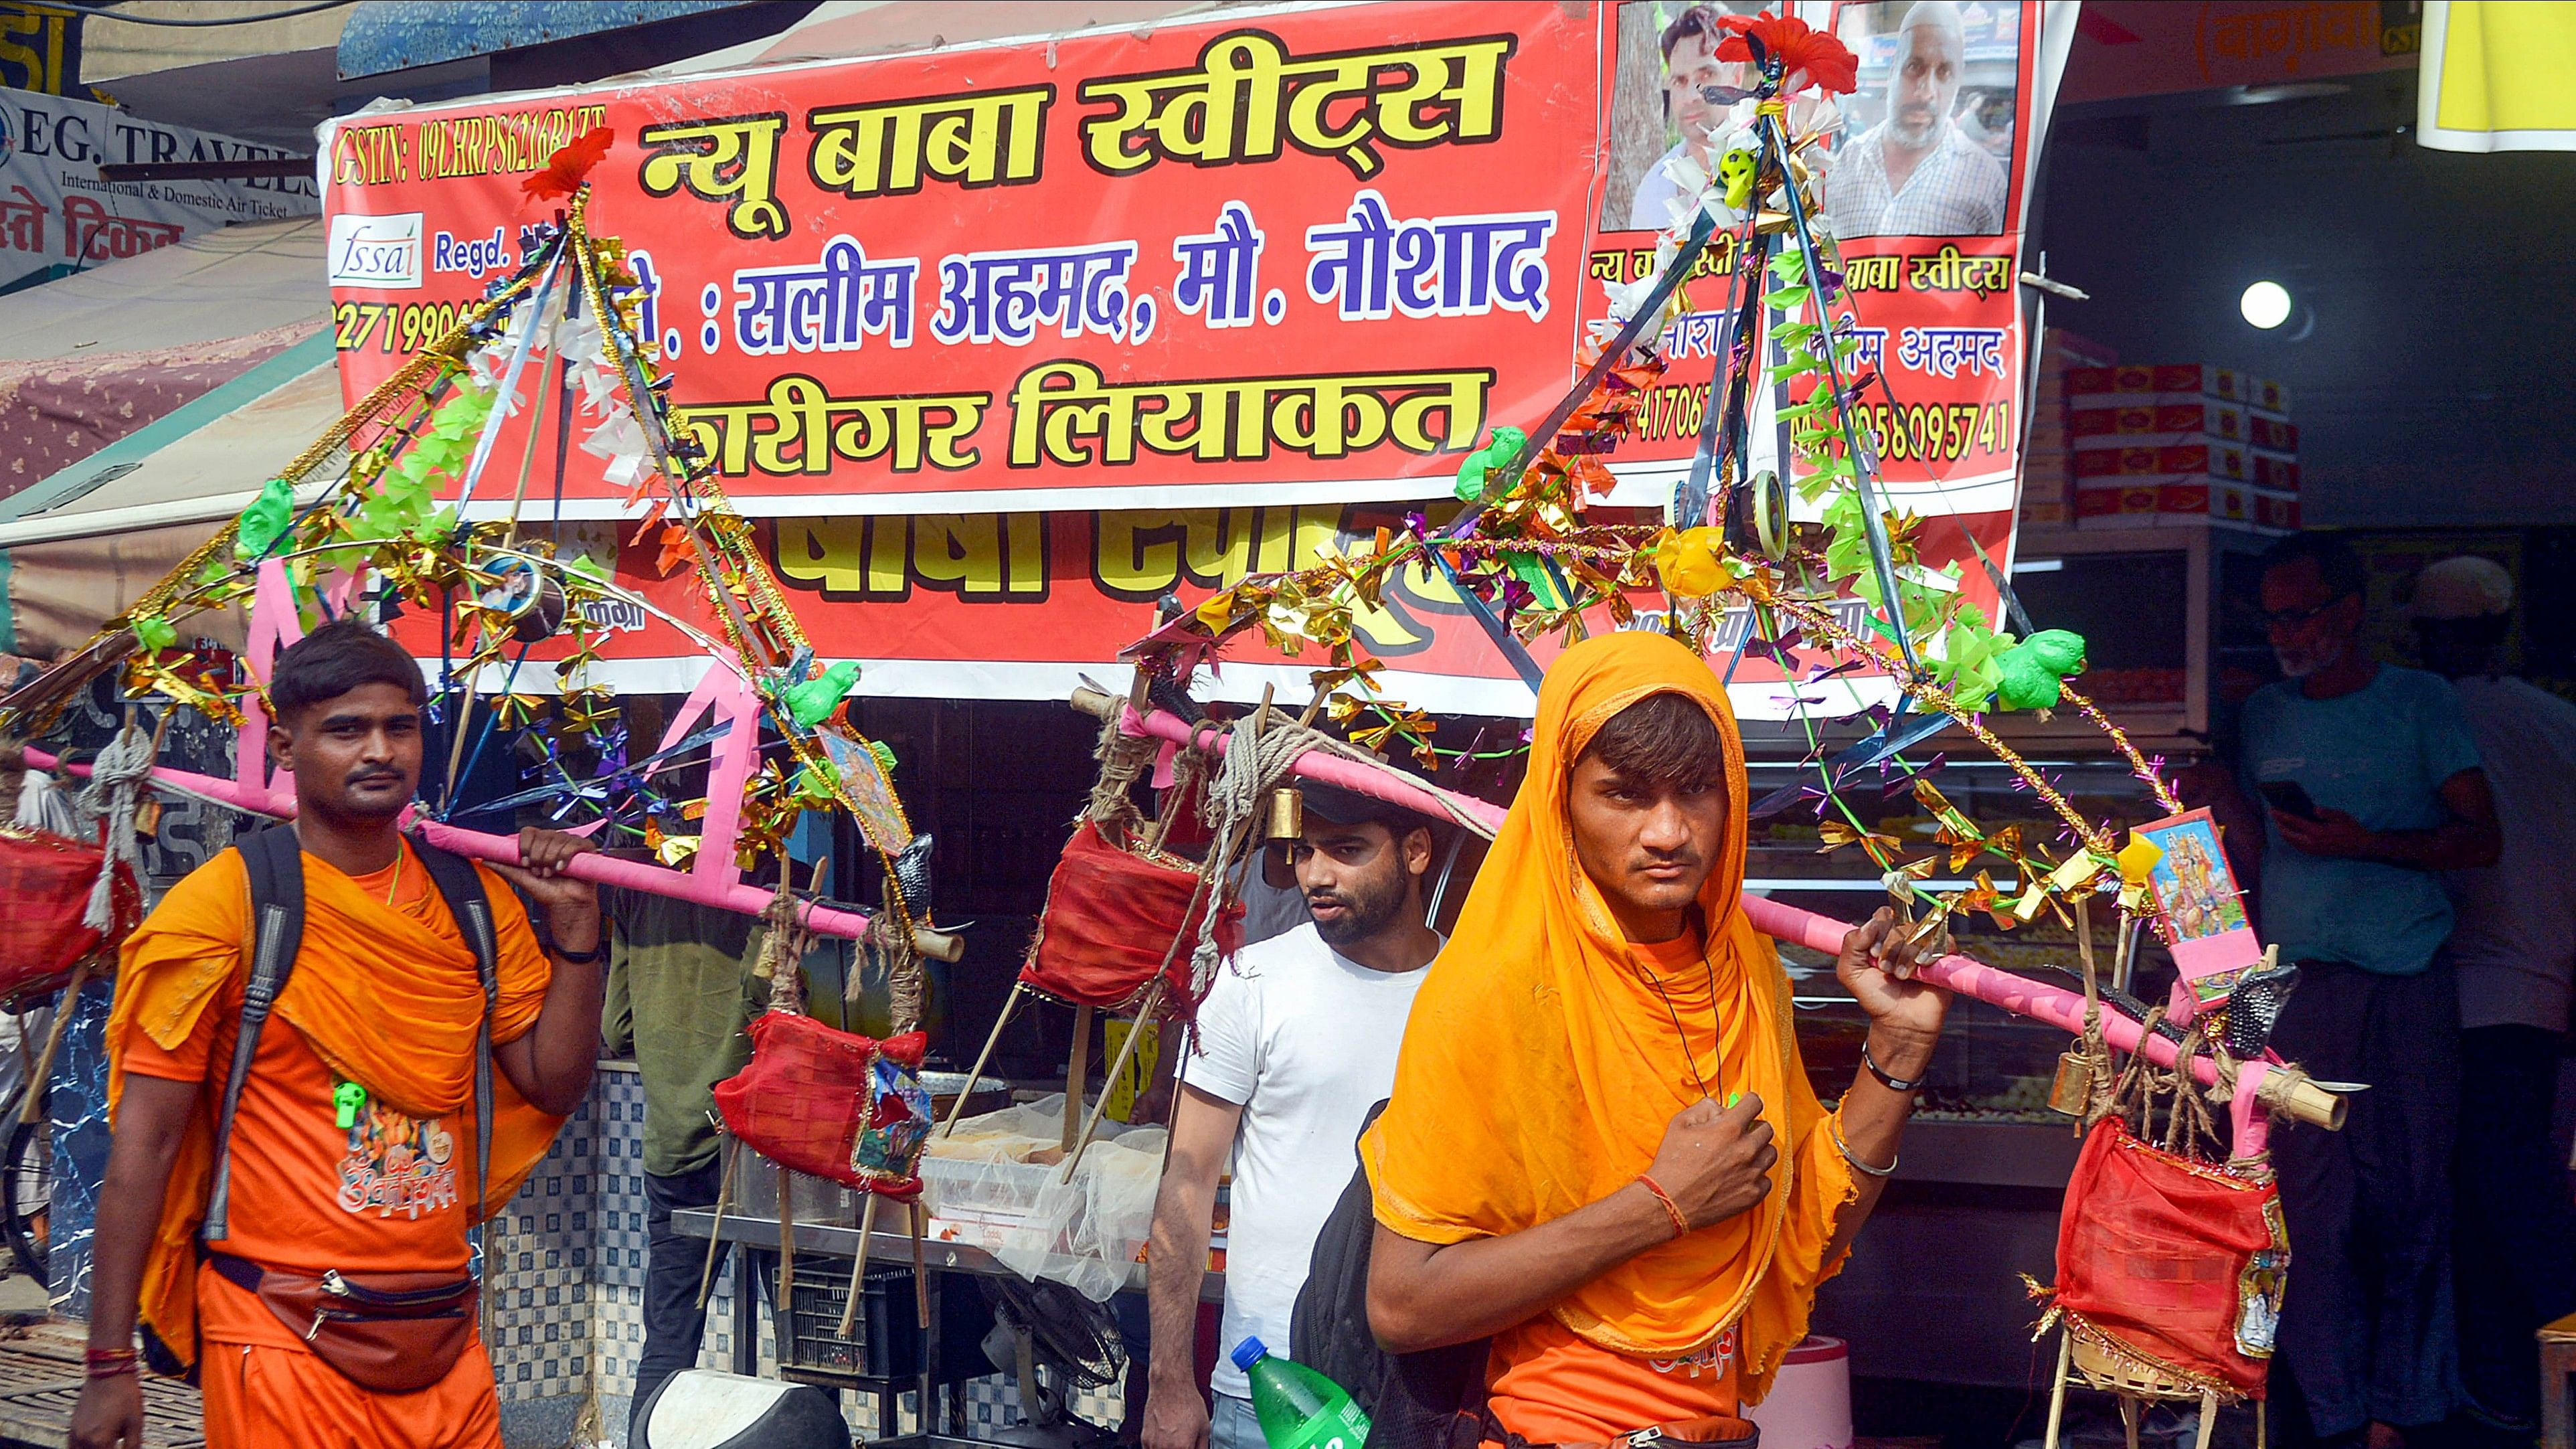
[[2048, 454], [2174, 445]]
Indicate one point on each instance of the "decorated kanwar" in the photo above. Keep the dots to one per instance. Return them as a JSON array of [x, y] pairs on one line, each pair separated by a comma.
[[1360, 725]]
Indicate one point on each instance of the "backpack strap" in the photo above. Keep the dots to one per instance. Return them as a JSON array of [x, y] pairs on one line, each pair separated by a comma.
[[461, 885], [275, 862]]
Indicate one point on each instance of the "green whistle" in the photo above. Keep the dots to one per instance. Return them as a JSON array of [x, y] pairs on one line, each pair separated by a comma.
[[347, 1099], [1731, 1099]]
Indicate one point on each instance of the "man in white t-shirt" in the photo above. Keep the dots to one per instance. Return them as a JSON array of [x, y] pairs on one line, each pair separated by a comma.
[[1294, 1044], [2514, 953]]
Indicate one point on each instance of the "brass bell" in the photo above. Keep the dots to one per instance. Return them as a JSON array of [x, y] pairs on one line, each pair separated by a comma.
[[1287, 813], [2070, 1092]]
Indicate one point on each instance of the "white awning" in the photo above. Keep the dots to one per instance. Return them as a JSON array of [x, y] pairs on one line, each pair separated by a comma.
[[228, 282], [205, 476]]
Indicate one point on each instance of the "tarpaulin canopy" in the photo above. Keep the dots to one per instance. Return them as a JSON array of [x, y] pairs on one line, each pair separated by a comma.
[[89, 359], [144, 403]]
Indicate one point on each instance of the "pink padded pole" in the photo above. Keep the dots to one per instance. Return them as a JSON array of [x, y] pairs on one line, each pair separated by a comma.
[[598, 869], [1968, 977]]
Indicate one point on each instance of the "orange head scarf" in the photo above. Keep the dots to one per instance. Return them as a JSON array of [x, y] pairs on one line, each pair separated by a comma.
[[1541, 1066]]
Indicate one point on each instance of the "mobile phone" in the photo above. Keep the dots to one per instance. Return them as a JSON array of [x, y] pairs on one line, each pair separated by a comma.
[[2289, 797]]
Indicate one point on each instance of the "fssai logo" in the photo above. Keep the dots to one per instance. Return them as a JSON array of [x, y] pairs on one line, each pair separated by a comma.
[[377, 253]]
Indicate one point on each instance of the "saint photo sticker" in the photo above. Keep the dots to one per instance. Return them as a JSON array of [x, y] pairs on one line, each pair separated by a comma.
[[2200, 910]]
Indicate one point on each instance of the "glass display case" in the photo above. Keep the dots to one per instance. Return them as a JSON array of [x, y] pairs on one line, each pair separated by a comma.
[[1974, 1204], [1992, 1066], [2170, 617]]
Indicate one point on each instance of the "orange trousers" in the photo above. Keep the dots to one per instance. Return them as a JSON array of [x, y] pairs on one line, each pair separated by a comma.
[[262, 1397]]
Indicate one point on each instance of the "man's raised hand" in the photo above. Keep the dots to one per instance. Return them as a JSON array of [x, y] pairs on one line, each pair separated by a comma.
[[1716, 1161]]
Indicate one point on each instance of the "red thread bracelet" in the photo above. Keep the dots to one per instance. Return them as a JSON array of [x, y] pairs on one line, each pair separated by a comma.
[[1681, 1224], [110, 1363]]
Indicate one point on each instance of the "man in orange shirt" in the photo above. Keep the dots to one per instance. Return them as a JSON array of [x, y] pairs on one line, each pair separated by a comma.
[[1602, 1151], [352, 1172]]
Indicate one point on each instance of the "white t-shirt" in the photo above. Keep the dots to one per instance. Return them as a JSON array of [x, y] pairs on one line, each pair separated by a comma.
[[1304, 1040], [2514, 943], [1652, 207]]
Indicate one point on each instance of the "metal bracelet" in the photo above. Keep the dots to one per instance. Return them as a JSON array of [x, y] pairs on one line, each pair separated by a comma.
[[1834, 1129]]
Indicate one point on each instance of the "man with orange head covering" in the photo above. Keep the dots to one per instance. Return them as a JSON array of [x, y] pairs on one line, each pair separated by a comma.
[[1602, 1151]]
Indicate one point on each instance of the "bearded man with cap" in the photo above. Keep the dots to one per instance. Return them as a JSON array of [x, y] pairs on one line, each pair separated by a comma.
[[1296, 1041], [2513, 947]]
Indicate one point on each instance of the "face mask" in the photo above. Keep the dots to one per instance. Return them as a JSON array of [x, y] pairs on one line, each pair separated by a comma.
[[2300, 663]]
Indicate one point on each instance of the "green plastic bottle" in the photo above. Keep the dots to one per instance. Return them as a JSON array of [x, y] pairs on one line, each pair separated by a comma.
[[1298, 1407]]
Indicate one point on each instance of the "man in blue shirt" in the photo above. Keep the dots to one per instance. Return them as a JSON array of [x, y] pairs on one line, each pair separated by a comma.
[[2372, 784]]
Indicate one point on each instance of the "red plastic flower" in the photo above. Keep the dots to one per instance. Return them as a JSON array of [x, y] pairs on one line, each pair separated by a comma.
[[1826, 60], [568, 168]]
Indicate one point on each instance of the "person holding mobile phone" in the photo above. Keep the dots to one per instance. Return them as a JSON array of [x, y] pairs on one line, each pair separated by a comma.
[[2371, 785]]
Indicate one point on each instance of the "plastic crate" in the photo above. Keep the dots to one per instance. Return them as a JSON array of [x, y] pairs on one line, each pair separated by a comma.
[[885, 1339]]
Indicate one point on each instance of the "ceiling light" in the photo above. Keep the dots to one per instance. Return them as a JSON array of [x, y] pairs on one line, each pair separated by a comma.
[[2265, 304]]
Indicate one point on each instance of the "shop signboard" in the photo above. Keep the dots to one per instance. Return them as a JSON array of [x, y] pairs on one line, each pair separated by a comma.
[[1266, 275], [57, 216]]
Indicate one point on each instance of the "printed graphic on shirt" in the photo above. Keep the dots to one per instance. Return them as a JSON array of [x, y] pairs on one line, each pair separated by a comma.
[[397, 1165], [1711, 1359]]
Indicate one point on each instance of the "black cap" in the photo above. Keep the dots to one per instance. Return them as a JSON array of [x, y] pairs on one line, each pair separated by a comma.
[[1349, 807]]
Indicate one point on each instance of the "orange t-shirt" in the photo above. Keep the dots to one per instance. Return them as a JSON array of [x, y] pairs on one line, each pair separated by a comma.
[[1551, 1386], [387, 1194]]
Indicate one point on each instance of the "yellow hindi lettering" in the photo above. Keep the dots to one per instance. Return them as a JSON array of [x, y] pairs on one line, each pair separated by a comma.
[[731, 159], [978, 556], [1064, 412], [1871, 274], [1055, 404], [1442, 412], [890, 148], [1327, 417], [799, 439], [889, 545], [829, 554], [1027, 537], [1950, 270], [1247, 95], [1455, 94], [959, 551], [801, 428], [1139, 554]]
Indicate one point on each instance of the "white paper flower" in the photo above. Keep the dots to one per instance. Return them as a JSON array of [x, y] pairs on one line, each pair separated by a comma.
[[617, 435], [1627, 297], [627, 469]]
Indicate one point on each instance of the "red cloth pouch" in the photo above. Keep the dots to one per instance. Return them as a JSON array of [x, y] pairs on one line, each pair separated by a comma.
[[2171, 1263], [47, 880], [1111, 918], [832, 1104]]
